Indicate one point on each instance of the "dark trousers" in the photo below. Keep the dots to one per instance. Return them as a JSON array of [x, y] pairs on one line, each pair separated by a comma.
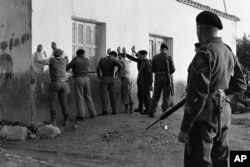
[[140, 97], [161, 85], [126, 90], [204, 150], [58, 89], [107, 86], [83, 94], [145, 95]]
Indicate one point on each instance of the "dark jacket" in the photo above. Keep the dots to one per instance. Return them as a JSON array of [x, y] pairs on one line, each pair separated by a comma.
[[212, 68], [145, 74], [57, 69], [106, 67], [159, 63], [80, 66]]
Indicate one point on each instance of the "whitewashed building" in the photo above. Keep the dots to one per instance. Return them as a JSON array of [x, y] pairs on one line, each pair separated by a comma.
[[96, 25]]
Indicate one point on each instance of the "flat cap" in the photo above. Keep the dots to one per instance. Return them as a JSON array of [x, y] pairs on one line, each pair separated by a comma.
[[164, 46], [58, 52], [143, 52], [209, 18]]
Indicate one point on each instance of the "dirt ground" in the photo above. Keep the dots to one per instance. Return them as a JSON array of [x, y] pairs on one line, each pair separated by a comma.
[[114, 141]]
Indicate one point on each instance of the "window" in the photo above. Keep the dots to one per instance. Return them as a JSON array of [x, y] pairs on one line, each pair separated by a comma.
[[155, 42], [84, 36]]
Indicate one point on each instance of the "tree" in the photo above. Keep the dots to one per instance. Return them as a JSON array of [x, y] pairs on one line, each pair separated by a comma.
[[243, 51]]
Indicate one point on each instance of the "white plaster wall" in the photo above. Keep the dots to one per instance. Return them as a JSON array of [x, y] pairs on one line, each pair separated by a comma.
[[177, 20], [15, 26], [128, 22], [51, 21]]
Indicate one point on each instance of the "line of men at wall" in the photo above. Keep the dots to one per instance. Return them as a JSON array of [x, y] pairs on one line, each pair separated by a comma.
[[213, 74], [58, 65]]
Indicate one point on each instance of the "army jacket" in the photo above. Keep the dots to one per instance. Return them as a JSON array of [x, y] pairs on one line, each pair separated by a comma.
[[159, 63], [145, 74], [213, 67]]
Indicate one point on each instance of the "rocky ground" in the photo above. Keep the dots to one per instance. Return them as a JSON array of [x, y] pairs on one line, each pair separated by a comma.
[[113, 141]]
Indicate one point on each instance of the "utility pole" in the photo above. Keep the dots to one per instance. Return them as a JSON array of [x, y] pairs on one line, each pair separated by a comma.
[[225, 6]]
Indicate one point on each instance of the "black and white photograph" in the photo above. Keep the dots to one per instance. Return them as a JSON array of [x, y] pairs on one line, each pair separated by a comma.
[[124, 83]]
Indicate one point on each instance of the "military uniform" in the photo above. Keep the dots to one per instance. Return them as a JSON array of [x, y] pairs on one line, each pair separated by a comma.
[[105, 71], [145, 80], [210, 71], [162, 81]]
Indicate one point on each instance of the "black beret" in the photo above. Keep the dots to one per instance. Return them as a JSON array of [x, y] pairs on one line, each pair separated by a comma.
[[143, 52], [209, 18], [164, 46], [58, 52]]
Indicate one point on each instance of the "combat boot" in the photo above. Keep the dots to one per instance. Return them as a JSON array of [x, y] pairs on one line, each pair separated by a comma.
[[52, 120], [66, 120]]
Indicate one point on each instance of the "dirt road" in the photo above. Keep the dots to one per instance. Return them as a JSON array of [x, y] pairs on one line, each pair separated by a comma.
[[114, 141]]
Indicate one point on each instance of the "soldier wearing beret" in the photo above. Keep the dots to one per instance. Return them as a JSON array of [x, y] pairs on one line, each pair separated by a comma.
[[145, 80], [163, 67], [57, 87], [213, 72]]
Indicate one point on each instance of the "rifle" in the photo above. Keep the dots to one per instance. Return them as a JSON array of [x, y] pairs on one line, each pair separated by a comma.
[[167, 113], [169, 76]]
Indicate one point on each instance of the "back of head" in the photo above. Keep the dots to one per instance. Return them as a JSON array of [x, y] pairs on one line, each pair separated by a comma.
[[143, 53], [80, 52], [113, 53], [164, 46], [58, 52], [209, 19]]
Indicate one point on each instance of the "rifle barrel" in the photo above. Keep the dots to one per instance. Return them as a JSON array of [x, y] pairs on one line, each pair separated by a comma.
[[152, 124], [169, 112]]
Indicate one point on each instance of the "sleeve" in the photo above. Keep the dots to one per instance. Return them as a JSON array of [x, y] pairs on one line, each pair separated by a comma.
[[198, 89], [148, 71], [171, 65], [42, 61], [237, 82], [132, 58], [118, 64], [98, 69], [153, 65], [70, 65]]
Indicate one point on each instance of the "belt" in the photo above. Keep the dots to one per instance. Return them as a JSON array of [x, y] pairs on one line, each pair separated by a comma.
[[107, 76], [161, 72], [59, 81]]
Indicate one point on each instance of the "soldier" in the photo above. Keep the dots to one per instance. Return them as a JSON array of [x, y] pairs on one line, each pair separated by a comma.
[[80, 65], [57, 87], [207, 114], [163, 67], [105, 73], [145, 79]]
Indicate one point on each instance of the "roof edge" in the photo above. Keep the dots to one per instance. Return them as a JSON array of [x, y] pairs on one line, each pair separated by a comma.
[[207, 8]]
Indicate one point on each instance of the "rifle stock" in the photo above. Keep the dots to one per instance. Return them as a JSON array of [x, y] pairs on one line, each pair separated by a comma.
[[171, 84], [169, 112]]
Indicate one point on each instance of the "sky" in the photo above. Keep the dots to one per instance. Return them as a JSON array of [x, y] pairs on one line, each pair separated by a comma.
[[240, 8]]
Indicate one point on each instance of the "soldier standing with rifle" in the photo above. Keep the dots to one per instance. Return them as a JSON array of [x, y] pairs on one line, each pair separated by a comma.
[[163, 67], [213, 73]]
